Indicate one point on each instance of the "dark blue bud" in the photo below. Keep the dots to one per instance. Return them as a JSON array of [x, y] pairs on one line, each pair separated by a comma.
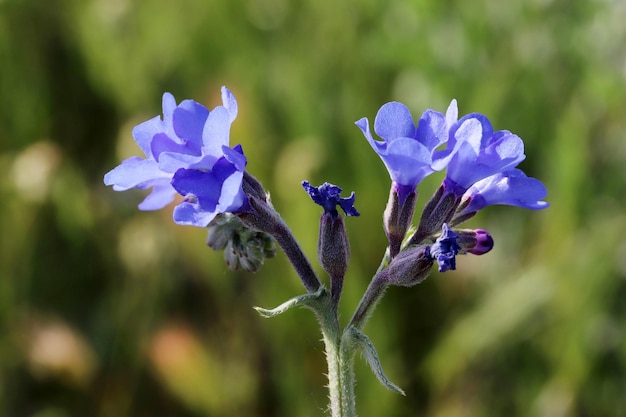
[[445, 249], [328, 196]]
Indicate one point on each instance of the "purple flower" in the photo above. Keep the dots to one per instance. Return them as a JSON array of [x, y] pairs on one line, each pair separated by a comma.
[[445, 249], [408, 151], [328, 196], [479, 152], [511, 188], [187, 153]]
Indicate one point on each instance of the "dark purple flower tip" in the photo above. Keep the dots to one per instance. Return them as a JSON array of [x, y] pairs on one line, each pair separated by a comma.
[[328, 196], [484, 242], [512, 188], [445, 249]]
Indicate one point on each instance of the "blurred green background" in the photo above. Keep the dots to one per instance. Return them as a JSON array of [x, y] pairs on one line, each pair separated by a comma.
[[108, 311]]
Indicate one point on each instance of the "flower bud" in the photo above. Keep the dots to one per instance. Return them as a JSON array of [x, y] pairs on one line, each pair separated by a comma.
[[437, 211], [333, 249], [244, 248], [474, 241], [398, 215], [410, 267]]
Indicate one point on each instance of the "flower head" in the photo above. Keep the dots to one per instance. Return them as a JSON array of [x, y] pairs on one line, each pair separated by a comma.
[[187, 153], [511, 188], [328, 196], [409, 151], [479, 152]]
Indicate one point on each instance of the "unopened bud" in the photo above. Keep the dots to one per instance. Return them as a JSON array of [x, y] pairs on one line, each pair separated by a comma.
[[333, 249], [398, 215], [474, 241], [410, 267], [244, 248]]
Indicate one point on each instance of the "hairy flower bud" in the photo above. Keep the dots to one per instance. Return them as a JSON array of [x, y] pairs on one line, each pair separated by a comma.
[[474, 241], [410, 267], [398, 215], [244, 248], [333, 249]]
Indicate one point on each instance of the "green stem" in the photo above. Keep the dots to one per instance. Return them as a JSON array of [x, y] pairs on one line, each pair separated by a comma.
[[346, 366], [331, 333], [372, 296], [334, 385]]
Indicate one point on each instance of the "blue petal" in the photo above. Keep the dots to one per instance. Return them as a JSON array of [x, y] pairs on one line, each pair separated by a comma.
[[407, 161], [133, 172], [216, 131], [161, 143], [445, 249], [431, 129], [144, 132], [204, 186], [229, 102], [162, 194], [452, 114], [328, 196], [232, 197], [511, 188], [188, 214], [394, 120], [188, 121]]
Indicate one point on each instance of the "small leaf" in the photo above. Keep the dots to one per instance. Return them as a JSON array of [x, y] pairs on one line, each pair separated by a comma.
[[371, 356], [305, 300]]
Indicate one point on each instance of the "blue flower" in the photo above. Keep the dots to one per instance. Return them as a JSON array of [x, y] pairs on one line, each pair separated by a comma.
[[186, 152], [445, 249], [479, 152], [511, 188], [409, 151], [328, 196]]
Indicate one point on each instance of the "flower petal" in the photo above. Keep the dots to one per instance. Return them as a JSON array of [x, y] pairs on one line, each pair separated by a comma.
[[144, 132], [394, 120], [188, 121], [229, 102], [162, 194], [511, 188], [188, 214], [216, 131], [133, 172]]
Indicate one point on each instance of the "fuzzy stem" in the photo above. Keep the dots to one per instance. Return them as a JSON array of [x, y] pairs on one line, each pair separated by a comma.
[[331, 333], [297, 258], [334, 385], [347, 379], [372, 296]]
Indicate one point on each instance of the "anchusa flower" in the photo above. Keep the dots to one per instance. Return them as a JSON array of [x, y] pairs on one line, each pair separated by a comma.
[[410, 153], [187, 153]]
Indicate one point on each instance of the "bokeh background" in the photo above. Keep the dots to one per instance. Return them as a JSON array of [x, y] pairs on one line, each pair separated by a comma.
[[108, 311]]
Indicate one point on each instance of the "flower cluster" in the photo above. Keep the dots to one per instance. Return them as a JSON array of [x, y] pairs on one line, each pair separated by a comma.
[[187, 153], [480, 168]]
